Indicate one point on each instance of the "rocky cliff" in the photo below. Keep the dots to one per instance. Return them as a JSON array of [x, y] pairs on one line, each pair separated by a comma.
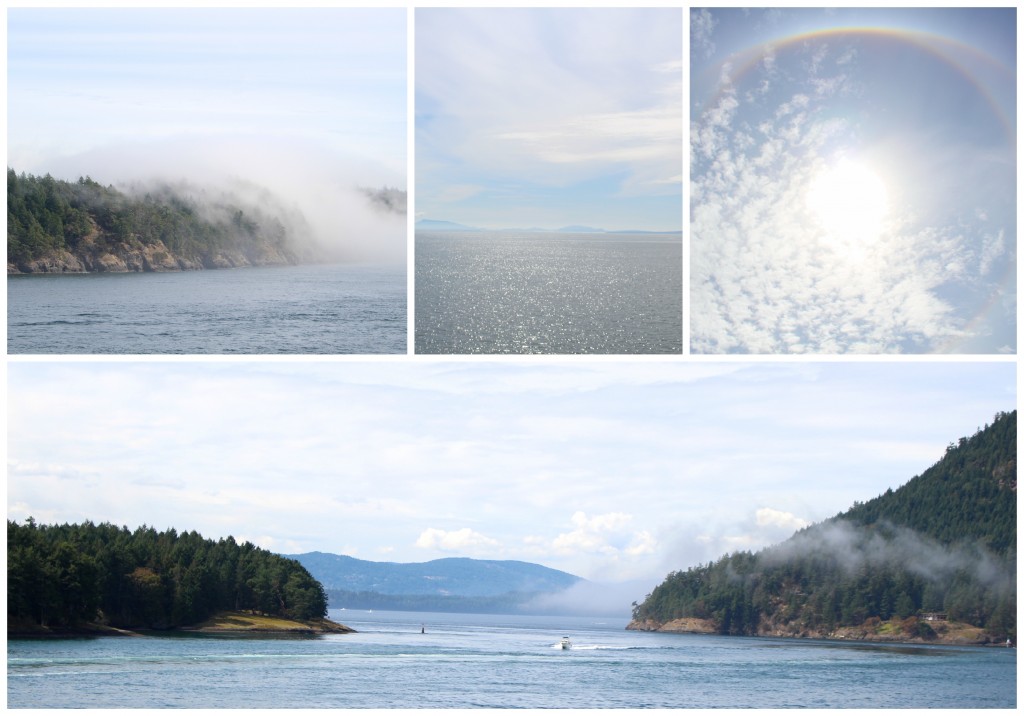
[[96, 253]]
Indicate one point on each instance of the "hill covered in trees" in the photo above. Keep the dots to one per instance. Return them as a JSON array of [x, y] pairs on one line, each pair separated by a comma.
[[67, 575], [456, 584], [55, 226], [938, 551]]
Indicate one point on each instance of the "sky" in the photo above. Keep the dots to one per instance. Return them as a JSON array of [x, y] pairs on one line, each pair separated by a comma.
[[550, 117], [615, 471], [310, 103], [853, 181]]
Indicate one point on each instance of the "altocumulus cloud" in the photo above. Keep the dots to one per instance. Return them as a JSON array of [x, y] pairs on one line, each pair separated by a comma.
[[767, 273]]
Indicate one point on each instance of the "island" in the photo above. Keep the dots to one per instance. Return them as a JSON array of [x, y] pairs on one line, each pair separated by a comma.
[[933, 561], [90, 580]]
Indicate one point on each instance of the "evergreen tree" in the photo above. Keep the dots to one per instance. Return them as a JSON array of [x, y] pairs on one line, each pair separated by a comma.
[[62, 575], [943, 542]]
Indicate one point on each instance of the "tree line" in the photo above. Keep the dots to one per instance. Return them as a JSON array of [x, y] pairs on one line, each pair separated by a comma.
[[943, 544], [45, 215], [67, 575]]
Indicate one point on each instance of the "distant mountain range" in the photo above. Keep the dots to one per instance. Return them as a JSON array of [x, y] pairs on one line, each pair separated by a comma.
[[435, 225], [451, 584]]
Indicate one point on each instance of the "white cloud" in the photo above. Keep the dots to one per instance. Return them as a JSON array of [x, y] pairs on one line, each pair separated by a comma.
[[770, 517], [464, 540], [603, 465], [992, 251], [529, 116], [643, 543], [454, 193], [136, 75], [702, 28], [601, 534], [634, 139], [765, 278]]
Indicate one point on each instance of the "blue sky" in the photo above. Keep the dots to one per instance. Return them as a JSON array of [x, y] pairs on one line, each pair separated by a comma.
[[610, 470], [310, 103], [853, 181], [549, 117]]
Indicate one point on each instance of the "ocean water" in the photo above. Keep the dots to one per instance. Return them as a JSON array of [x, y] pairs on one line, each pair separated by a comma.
[[506, 292], [475, 661], [321, 309]]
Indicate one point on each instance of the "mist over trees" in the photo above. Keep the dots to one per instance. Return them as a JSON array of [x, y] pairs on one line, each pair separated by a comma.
[[196, 229], [943, 546], [67, 575], [388, 200]]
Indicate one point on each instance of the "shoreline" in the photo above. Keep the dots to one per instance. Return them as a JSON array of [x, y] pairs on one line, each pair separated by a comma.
[[947, 633], [222, 624]]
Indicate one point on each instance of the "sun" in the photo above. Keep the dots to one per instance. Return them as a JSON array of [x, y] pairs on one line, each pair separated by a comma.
[[850, 203]]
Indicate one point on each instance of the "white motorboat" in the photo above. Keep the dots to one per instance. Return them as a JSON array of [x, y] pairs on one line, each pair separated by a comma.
[[565, 643]]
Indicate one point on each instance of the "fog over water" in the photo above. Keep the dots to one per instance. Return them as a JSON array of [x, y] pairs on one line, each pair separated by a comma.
[[296, 109], [317, 194]]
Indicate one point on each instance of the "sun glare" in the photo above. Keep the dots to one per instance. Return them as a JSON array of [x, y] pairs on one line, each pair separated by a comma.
[[850, 202]]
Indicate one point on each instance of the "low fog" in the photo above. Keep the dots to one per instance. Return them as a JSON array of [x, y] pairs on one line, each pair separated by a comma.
[[594, 599], [335, 208], [855, 548]]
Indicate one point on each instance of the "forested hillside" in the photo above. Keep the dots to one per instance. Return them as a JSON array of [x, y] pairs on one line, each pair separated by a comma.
[[940, 549], [65, 575], [59, 226]]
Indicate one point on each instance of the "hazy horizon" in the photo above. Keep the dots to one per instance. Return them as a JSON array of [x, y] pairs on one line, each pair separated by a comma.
[[531, 227]]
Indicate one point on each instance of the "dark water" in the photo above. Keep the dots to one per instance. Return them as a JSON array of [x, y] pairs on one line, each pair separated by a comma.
[[503, 292], [290, 309], [470, 661]]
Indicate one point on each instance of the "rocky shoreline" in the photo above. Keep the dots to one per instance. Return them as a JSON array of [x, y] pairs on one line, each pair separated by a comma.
[[947, 633], [148, 258]]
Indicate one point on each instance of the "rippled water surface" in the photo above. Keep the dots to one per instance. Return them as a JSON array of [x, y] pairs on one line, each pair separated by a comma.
[[288, 309], [468, 661], [506, 292]]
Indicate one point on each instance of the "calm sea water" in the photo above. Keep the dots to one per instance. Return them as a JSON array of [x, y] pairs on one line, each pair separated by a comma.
[[504, 292], [333, 308], [471, 661]]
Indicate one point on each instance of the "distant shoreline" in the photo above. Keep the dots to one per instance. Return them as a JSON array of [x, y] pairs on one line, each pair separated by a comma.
[[547, 232]]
